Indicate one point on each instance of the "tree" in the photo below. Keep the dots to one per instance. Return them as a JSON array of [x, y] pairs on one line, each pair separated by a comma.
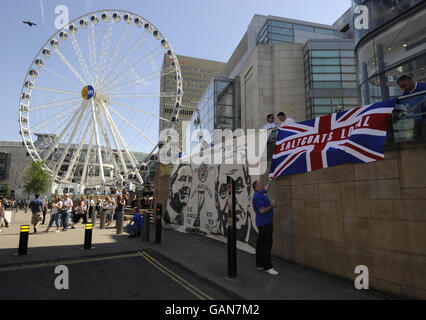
[[36, 179]]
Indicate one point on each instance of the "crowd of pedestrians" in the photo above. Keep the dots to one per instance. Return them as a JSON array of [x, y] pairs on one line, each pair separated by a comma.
[[66, 213]]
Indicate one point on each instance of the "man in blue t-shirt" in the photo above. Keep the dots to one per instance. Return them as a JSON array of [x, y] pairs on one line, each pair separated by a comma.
[[36, 206], [264, 218], [135, 225]]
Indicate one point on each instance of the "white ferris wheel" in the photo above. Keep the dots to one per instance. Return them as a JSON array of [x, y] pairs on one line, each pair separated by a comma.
[[90, 99]]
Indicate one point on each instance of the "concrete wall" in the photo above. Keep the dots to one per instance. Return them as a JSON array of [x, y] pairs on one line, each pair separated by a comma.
[[18, 163], [272, 80], [359, 214]]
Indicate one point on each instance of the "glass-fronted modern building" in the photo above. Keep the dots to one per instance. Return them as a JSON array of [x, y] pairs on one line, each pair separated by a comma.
[[330, 68], [214, 111], [393, 44], [277, 31], [330, 77]]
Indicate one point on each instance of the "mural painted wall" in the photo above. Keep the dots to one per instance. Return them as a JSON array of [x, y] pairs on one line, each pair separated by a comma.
[[197, 202]]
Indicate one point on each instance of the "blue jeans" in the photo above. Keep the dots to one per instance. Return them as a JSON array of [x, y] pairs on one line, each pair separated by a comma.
[[65, 219], [55, 217], [131, 229]]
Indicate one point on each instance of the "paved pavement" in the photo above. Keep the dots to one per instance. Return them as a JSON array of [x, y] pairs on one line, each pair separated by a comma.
[[200, 256]]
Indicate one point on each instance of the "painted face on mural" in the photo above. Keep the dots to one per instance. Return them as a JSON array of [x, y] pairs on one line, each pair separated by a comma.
[[180, 189], [182, 185], [242, 189]]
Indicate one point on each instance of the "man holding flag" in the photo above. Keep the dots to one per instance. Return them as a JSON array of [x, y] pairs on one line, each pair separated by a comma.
[[264, 218]]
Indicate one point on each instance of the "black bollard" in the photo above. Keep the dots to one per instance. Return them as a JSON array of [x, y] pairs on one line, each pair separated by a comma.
[[232, 230], [119, 222], [88, 236], [102, 219], [23, 240], [94, 217], [145, 226], [158, 218]]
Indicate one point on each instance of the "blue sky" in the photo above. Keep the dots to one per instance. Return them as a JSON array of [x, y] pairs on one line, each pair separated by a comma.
[[209, 29]]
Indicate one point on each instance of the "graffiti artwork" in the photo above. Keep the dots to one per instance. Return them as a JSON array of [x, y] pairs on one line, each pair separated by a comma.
[[198, 202]]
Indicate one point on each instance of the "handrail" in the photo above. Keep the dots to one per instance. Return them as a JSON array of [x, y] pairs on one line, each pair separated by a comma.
[[412, 95]]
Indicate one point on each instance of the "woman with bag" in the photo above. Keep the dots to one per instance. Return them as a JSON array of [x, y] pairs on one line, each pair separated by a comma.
[[109, 206], [55, 214]]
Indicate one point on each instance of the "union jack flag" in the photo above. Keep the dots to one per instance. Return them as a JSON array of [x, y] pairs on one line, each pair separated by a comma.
[[356, 135]]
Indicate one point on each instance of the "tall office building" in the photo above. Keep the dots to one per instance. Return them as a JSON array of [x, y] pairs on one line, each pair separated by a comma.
[[196, 74], [302, 68]]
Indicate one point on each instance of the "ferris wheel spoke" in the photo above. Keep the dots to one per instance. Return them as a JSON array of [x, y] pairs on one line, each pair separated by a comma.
[[146, 95], [92, 53], [138, 110], [142, 80], [61, 77], [56, 141], [74, 93], [57, 116], [106, 41], [70, 67], [109, 147], [54, 104], [80, 57], [116, 51], [145, 59], [72, 135], [126, 58], [132, 125], [77, 153], [123, 143]]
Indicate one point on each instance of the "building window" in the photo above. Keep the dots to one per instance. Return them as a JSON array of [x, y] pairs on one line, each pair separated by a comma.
[[304, 28], [329, 69], [4, 165]]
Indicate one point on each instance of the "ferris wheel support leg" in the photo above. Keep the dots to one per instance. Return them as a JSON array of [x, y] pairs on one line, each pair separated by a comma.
[[74, 131], [124, 144], [86, 161], [58, 139], [109, 147], [114, 137], [98, 144], [76, 155]]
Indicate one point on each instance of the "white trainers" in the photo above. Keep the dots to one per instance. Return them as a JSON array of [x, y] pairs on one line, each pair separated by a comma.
[[272, 272]]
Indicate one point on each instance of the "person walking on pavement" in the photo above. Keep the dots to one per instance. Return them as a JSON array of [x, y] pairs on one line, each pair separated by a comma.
[[36, 206], [66, 211], [2, 214], [91, 207], [44, 210], [55, 214], [264, 218]]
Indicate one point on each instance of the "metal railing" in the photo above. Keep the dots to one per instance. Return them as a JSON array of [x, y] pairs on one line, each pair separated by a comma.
[[408, 121]]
